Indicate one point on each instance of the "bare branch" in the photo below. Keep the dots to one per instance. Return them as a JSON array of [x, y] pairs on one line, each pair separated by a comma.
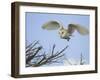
[[31, 46], [53, 49], [81, 60], [31, 57], [39, 59]]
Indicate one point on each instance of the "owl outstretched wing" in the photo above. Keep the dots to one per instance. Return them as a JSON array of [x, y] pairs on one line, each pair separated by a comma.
[[51, 25], [82, 30]]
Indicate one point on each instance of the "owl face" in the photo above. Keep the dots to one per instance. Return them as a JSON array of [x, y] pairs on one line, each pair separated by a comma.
[[64, 33]]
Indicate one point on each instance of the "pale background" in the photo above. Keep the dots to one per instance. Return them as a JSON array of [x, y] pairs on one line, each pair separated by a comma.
[[5, 41]]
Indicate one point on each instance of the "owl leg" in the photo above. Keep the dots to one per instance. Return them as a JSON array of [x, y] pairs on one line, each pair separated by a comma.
[[68, 38]]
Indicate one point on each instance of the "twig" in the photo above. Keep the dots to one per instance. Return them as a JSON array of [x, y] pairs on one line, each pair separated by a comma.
[[32, 53]]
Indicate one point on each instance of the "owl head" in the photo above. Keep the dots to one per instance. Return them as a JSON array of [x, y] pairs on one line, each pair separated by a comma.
[[63, 33]]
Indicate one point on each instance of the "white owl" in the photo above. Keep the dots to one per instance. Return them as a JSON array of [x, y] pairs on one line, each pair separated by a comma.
[[65, 33]]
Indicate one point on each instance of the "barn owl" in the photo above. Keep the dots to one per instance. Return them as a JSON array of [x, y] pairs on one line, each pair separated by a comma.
[[65, 33]]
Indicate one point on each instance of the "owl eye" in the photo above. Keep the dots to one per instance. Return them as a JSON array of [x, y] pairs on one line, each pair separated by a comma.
[[62, 32]]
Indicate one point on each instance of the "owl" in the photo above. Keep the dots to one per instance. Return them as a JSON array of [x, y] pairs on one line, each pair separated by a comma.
[[65, 33]]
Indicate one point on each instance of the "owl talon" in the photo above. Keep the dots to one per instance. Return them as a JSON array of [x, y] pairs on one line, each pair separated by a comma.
[[68, 39]]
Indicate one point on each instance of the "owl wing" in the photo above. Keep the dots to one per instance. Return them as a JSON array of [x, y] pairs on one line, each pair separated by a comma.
[[82, 30], [51, 25]]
